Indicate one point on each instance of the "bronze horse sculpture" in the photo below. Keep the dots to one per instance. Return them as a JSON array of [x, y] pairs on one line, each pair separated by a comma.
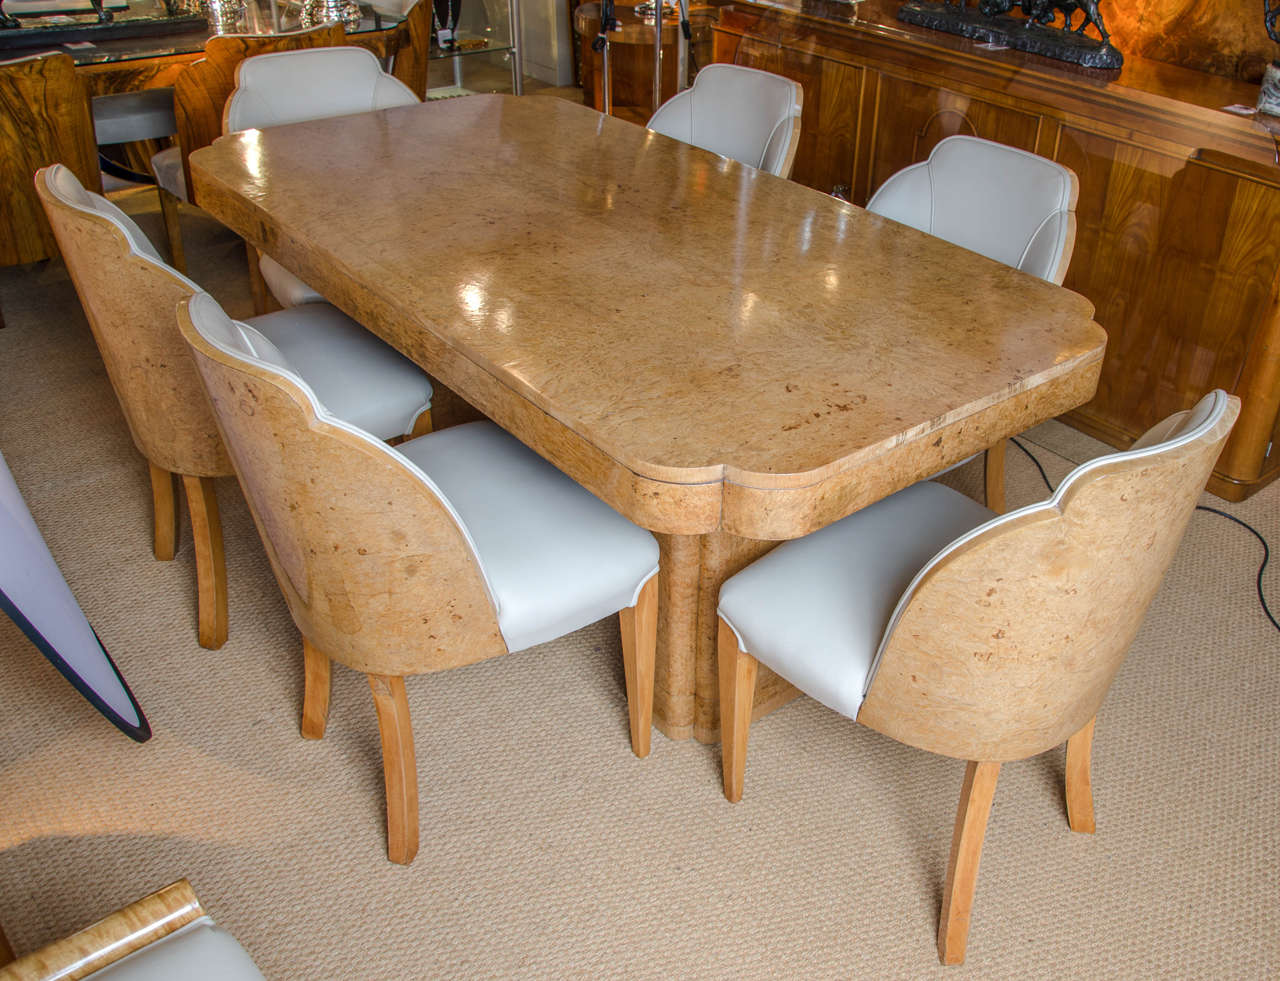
[[1046, 12]]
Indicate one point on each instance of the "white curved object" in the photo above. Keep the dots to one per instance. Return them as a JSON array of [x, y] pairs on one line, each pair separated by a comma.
[[820, 610], [1007, 204], [369, 382], [741, 113], [553, 557], [294, 86], [37, 598]]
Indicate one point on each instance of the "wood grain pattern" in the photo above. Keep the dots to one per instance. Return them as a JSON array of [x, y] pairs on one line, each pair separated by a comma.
[[315, 691], [1178, 199], [201, 91], [399, 767], [164, 506], [135, 926], [737, 671], [44, 119], [976, 794], [1040, 612], [639, 626], [1079, 779], [855, 391], [129, 302], [1225, 37]]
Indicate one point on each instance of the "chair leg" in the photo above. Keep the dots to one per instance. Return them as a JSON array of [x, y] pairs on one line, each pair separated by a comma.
[[173, 230], [399, 766], [1080, 780], [966, 853], [164, 507], [315, 691], [257, 285], [639, 625], [993, 465], [211, 566], [737, 671], [6, 951], [421, 425]]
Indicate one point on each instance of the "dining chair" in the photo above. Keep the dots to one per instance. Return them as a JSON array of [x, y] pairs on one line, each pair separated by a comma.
[[44, 118], [745, 114], [129, 295], [1007, 204], [200, 92], [293, 87], [141, 116], [452, 548], [162, 936], [986, 638]]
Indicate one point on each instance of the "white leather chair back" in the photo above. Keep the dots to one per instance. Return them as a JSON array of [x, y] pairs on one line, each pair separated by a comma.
[[1007, 204], [741, 113], [310, 83]]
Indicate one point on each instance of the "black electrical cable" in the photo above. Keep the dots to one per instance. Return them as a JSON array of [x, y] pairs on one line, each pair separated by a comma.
[[1266, 549]]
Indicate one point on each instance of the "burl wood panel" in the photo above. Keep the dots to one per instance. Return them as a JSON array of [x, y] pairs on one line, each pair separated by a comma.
[[375, 571], [201, 91], [1178, 199], [129, 302], [44, 119], [150, 919], [1225, 37], [1038, 612], [851, 343]]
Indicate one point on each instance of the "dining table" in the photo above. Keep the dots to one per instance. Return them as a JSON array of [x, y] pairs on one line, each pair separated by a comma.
[[727, 358]]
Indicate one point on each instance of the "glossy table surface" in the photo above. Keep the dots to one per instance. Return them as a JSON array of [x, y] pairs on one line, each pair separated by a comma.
[[690, 338]]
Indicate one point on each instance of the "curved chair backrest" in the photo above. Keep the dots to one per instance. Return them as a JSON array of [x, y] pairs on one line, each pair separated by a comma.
[[44, 118], [1007, 204], [201, 90], [377, 570], [294, 86], [741, 113], [129, 295], [1005, 644]]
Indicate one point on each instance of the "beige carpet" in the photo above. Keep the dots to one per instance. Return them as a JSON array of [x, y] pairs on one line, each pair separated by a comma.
[[547, 849]]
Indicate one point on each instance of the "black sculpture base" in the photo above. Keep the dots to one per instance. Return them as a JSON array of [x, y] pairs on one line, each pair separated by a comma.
[[1021, 35]]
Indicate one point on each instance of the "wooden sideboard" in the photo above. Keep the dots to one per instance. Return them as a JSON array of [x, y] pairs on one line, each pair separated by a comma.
[[1178, 244]]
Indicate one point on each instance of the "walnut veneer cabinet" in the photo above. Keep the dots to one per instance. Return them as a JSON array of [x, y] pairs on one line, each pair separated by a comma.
[[1179, 214]]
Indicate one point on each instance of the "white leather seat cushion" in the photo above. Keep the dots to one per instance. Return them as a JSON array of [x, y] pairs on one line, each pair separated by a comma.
[[199, 952], [287, 288], [167, 166], [355, 375], [555, 556], [814, 609]]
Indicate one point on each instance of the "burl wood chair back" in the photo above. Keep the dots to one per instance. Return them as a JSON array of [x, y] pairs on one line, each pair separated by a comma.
[[413, 47], [360, 543], [201, 91], [1024, 622], [129, 296], [44, 119]]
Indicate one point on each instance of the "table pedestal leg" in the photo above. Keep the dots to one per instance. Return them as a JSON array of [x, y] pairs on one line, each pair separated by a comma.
[[687, 690]]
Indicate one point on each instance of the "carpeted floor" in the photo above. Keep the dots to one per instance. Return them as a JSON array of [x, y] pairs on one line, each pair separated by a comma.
[[547, 849]]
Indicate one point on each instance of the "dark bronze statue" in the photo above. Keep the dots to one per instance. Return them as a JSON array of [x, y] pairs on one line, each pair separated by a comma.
[[987, 21]]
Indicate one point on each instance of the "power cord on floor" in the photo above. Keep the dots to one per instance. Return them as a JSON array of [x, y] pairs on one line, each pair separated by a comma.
[[1266, 550]]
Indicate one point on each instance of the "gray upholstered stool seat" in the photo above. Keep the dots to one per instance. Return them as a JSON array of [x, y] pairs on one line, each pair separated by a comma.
[[123, 117]]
